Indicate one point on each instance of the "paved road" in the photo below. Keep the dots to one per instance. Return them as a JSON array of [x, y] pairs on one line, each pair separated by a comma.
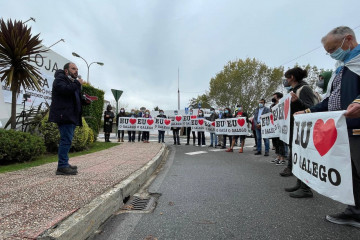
[[219, 195]]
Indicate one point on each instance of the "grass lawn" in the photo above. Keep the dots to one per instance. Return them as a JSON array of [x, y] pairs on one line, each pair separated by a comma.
[[50, 157]]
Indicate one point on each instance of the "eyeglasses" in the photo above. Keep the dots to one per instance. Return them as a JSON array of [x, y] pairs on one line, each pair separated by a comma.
[[332, 50]]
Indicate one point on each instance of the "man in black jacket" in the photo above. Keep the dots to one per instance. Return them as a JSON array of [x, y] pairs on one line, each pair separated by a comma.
[[66, 110]]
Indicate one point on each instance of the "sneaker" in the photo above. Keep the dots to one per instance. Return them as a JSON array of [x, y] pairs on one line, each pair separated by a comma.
[[280, 162], [241, 150], [187, 144], [210, 145], [266, 154], [301, 193], [274, 160], [66, 171], [286, 172], [72, 166], [258, 153], [344, 219], [222, 147], [229, 150]]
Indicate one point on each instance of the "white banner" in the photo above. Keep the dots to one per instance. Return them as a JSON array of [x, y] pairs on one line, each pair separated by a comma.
[[187, 120], [177, 121], [231, 126], [269, 129], [145, 124], [162, 124], [198, 125], [127, 124], [281, 113], [210, 126], [321, 154]]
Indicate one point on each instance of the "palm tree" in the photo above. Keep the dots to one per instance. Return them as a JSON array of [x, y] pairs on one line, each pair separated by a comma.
[[16, 45]]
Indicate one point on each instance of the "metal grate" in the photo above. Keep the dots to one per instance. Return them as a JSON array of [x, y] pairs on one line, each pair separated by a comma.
[[137, 204]]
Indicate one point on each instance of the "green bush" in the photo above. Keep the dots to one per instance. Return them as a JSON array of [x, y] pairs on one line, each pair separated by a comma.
[[93, 112], [19, 146], [50, 131]]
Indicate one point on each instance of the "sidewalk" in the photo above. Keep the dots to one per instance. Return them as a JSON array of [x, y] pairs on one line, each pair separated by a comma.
[[35, 199]]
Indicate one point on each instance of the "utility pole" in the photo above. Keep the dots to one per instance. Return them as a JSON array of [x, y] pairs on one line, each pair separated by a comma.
[[178, 90]]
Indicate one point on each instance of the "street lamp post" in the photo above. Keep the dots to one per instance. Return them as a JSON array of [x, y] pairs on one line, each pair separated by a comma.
[[88, 65], [61, 40]]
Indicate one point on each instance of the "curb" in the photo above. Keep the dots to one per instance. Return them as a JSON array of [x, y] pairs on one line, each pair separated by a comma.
[[84, 222]]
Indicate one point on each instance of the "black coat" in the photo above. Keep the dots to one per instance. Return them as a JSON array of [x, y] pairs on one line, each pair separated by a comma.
[[66, 105]]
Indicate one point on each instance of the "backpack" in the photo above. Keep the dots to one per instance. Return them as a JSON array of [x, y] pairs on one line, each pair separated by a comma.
[[317, 97]]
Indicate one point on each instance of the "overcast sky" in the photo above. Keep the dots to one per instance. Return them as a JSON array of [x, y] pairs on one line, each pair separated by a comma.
[[143, 43]]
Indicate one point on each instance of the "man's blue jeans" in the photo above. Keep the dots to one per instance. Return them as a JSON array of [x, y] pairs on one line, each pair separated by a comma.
[[66, 136], [258, 141], [212, 136]]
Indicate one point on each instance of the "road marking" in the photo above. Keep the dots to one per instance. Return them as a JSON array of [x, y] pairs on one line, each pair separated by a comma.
[[195, 153], [217, 150]]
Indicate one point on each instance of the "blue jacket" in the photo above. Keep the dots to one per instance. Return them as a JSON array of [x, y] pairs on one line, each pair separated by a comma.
[[349, 92], [256, 113], [66, 104]]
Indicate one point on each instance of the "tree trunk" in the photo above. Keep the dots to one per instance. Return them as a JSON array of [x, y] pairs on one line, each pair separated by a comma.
[[13, 109]]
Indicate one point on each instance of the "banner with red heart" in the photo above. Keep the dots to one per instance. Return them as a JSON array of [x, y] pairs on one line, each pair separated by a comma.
[[321, 154], [281, 119], [231, 126], [268, 128], [127, 124], [241, 122]]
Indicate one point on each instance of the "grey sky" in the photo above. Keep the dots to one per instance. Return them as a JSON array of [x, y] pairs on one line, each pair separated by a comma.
[[142, 43]]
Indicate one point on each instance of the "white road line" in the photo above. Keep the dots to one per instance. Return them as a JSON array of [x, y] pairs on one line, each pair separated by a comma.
[[195, 153]]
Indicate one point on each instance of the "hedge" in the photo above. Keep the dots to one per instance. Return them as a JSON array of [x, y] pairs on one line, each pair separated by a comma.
[[83, 136], [18, 146], [93, 112]]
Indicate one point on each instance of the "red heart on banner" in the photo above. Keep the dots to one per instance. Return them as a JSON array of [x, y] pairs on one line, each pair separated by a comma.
[[167, 122], [324, 135], [213, 124], [272, 119], [132, 121], [286, 107], [201, 122], [241, 122], [193, 117], [150, 121], [178, 118]]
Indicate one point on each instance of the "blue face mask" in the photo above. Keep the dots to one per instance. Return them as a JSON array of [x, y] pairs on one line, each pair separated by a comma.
[[132, 112], [288, 88], [261, 105], [226, 111], [340, 54]]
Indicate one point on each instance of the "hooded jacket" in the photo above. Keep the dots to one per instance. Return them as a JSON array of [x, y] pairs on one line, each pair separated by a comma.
[[66, 105]]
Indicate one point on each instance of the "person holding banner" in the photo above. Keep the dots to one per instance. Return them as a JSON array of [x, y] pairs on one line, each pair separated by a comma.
[[258, 112], [146, 134], [141, 114], [161, 134], [201, 134], [302, 97], [176, 132], [132, 133], [343, 93], [120, 132], [277, 143], [213, 137], [188, 130], [220, 137], [238, 113], [227, 114]]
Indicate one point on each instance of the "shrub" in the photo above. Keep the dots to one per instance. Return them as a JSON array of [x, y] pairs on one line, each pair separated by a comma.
[[93, 112], [82, 136], [19, 146]]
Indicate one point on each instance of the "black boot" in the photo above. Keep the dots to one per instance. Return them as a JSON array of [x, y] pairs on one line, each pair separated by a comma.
[[296, 187], [303, 192]]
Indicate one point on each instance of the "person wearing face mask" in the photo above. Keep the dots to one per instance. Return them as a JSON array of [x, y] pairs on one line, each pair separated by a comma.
[[238, 113], [220, 137], [108, 121], [131, 134], [258, 112], [188, 131], [201, 134], [141, 114], [176, 130], [161, 134], [212, 118], [323, 81], [146, 134], [66, 111], [343, 93], [302, 97], [227, 114], [120, 132]]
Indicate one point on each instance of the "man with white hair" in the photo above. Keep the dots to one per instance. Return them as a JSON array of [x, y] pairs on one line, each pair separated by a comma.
[[343, 93]]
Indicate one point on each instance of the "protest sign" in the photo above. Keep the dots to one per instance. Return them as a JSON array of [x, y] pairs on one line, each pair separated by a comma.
[[162, 124], [269, 129], [177, 121], [187, 120], [198, 125], [209, 126], [281, 113], [321, 154], [127, 124], [231, 126], [145, 124]]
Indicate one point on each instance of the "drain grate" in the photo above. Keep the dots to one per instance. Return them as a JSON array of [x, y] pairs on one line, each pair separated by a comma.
[[141, 204]]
